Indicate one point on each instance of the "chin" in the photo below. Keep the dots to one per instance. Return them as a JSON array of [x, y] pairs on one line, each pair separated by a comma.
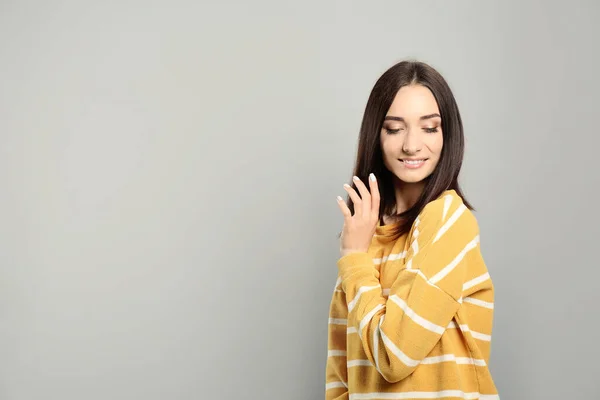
[[410, 180], [415, 177]]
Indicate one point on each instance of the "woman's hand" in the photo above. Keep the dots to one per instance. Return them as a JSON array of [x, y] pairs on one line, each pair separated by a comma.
[[359, 228]]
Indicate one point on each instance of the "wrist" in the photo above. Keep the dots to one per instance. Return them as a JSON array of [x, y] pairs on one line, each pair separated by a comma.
[[356, 266]]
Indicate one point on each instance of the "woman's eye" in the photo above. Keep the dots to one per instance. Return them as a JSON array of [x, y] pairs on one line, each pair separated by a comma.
[[392, 131]]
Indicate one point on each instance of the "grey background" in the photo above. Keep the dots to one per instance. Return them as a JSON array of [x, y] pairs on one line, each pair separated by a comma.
[[169, 171]]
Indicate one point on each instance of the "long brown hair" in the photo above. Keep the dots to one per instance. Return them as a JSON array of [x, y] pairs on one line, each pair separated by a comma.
[[369, 156]]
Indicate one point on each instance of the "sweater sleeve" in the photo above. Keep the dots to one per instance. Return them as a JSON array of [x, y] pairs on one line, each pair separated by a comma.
[[336, 371], [397, 333]]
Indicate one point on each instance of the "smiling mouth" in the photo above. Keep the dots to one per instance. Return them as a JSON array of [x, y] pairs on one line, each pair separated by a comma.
[[413, 162]]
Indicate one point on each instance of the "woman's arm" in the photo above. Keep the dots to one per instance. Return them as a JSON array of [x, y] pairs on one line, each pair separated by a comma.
[[336, 379], [398, 333]]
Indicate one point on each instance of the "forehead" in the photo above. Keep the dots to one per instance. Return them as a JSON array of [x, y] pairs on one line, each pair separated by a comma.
[[412, 102]]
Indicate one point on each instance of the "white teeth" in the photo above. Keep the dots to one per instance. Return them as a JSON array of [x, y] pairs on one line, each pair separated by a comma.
[[413, 162]]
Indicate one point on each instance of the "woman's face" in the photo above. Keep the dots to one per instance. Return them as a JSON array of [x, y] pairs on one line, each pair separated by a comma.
[[411, 136]]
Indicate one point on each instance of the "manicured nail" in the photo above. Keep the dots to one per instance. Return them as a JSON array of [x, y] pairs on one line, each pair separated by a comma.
[[372, 177], [339, 198], [355, 178], [346, 186]]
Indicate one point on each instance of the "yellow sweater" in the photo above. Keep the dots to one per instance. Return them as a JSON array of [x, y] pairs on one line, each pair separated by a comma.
[[412, 318]]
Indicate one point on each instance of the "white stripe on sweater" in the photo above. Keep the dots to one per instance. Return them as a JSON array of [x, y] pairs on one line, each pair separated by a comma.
[[459, 211], [476, 281], [359, 293], [368, 318], [447, 269], [429, 361], [335, 385], [479, 303], [422, 275], [423, 395], [430, 326], [376, 339], [390, 257], [358, 363], [406, 360], [337, 282], [447, 203], [415, 243], [476, 335], [465, 328], [452, 357]]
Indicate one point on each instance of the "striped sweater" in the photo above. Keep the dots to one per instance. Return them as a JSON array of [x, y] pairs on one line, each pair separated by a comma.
[[412, 317]]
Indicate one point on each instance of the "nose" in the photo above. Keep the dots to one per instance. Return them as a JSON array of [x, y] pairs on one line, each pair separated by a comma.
[[412, 143]]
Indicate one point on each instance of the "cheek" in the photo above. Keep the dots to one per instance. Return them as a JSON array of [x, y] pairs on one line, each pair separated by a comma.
[[389, 152], [436, 144], [386, 146], [390, 143]]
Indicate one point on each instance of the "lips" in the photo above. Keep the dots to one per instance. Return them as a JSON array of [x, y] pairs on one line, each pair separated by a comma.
[[413, 163]]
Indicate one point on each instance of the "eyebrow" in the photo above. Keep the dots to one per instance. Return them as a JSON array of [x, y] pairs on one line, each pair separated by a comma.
[[424, 117]]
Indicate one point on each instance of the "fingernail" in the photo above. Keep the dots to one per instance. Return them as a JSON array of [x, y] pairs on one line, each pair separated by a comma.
[[346, 185], [372, 177], [355, 178], [339, 198]]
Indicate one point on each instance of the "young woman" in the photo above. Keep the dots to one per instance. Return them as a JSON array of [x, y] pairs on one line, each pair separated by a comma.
[[412, 311]]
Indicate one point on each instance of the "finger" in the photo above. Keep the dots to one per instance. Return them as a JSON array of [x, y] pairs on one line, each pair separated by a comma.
[[345, 210], [364, 195], [356, 200], [375, 197]]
